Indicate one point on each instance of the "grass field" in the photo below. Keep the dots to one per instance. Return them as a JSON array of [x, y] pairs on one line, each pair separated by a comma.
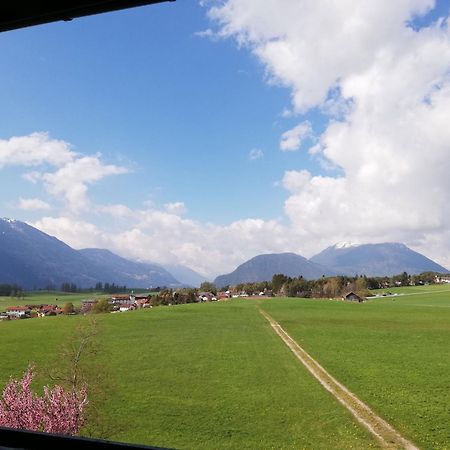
[[394, 353], [197, 376], [216, 376], [51, 297]]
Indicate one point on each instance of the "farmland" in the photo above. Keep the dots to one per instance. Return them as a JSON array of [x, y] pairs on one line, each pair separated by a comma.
[[216, 376], [392, 352], [196, 376], [47, 297]]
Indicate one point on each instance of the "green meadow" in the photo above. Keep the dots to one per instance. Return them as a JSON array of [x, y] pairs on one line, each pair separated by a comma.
[[216, 376], [48, 297], [392, 352], [195, 376]]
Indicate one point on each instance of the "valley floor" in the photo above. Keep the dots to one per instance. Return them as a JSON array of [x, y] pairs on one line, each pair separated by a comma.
[[216, 375]]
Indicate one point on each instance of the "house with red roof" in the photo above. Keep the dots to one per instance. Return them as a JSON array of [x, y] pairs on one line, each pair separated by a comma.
[[18, 312]]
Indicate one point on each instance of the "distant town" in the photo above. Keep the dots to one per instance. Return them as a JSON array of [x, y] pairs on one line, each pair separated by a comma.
[[358, 288]]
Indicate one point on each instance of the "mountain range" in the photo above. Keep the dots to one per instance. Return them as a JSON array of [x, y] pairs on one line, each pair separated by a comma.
[[33, 259], [384, 259], [375, 260], [263, 267]]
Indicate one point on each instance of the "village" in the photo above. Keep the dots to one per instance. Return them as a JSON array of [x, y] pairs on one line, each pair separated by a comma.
[[116, 304], [356, 289], [131, 302], [350, 289]]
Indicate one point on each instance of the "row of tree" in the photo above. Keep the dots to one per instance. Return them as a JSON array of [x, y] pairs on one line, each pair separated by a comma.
[[110, 288], [178, 297], [327, 287], [107, 288], [11, 290]]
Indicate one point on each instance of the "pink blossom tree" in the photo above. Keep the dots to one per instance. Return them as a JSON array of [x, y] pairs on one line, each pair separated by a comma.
[[58, 410]]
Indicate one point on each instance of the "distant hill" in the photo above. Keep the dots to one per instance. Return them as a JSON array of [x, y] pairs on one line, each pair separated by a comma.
[[375, 260], [33, 259], [263, 267], [185, 275]]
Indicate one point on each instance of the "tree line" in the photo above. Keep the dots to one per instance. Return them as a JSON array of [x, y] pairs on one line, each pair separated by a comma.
[[329, 287], [107, 288], [11, 290]]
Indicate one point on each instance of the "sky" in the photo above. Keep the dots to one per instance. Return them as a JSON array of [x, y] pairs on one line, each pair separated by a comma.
[[203, 133]]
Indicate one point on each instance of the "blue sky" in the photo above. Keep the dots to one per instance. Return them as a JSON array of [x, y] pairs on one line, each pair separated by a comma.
[[204, 134], [182, 112]]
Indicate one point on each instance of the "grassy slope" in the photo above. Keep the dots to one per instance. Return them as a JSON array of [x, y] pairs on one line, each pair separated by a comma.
[[393, 352], [197, 376]]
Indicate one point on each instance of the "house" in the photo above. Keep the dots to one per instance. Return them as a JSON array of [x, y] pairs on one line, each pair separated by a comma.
[[87, 305], [206, 297], [442, 279], [126, 307], [142, 302], [18, 312], [351, 296], [122, 299], [48, 310], [3, 316]]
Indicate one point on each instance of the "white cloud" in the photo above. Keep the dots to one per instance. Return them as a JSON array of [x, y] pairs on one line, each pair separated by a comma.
[[33, 176], [34, 150], [286, 113], [310, 46], [74, 171], [33, 204], [295, 181], [76, 233], [176, 208], [292, 139], [255, 153], [116, 210], [166, 238], [71, 181], [208, 33], [386, 88]]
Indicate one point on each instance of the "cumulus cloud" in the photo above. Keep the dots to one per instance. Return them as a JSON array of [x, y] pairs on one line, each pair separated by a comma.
[[166, 238], [384, 91], [76, 233], [33, 150], [33, 204], [309, 46], [71, 181], [116, 210], [64, 173], [255, 153], [177, 208], [294, 181], [292, 139], [385, 88]]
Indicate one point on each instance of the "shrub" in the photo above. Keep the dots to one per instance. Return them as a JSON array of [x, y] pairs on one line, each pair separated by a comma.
[[58, 410]]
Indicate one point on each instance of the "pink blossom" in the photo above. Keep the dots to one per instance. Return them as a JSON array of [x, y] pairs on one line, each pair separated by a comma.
[[58, 410]]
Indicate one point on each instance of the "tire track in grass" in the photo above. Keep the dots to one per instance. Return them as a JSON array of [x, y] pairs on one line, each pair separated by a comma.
[[387, 436]]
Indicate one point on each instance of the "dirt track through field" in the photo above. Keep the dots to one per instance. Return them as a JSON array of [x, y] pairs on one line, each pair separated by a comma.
[[387, 436]]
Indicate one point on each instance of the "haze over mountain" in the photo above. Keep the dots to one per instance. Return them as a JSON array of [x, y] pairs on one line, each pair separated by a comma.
[[264, 267], [186, 275], [124, 270], [33, 259], [375, 260]]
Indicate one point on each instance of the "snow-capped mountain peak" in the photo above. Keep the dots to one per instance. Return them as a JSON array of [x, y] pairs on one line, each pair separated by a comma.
[[345, 245]]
